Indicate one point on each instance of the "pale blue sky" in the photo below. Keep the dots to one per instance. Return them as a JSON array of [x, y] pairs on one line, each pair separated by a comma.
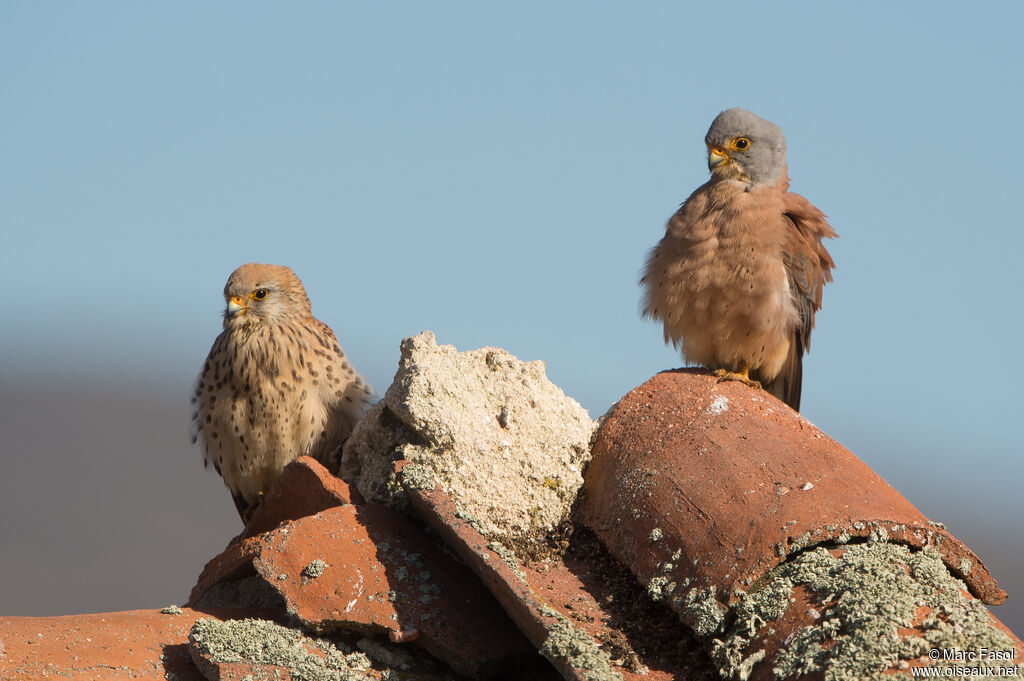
[[497, 173]]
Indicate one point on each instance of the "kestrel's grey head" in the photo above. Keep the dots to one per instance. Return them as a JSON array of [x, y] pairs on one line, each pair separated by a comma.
[[258, 293], [743, 146]]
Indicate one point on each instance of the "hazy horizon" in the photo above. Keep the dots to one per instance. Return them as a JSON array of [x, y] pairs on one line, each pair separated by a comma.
[[138, 516]]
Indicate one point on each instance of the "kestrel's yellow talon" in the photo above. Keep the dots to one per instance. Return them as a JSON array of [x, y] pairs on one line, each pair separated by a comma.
[[743, 376]]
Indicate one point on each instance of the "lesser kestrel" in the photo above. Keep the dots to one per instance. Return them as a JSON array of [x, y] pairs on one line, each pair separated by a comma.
[[275, 386], [738, 276]]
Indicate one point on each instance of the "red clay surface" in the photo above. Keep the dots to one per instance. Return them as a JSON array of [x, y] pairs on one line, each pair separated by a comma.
[[366, 568], [134, 644], [303, 488]]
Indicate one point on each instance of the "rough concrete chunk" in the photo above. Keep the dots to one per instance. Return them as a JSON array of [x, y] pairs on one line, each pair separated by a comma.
[[502, 440]]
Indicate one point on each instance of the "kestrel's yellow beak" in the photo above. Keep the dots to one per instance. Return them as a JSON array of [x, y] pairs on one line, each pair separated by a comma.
[[236, 306], [716, 156]]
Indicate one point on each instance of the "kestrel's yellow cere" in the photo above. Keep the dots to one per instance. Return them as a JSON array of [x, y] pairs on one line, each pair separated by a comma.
[[275, 386], [737, 278]]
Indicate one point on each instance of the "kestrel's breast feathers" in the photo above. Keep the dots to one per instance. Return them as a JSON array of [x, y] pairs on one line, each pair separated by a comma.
[[717, 279], [737, 280]]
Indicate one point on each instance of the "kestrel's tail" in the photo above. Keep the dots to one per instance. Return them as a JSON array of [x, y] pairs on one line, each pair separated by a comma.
[[786, 386]]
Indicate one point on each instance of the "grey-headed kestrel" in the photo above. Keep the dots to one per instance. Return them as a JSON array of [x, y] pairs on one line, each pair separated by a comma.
[[737, 278], [275, 386]]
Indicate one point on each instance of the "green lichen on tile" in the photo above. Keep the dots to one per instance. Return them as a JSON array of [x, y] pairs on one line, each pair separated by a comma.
[[264, 642], [800, 543], [567, 643], [767, 604], [700, 610], [387, 654], [751, 613], [418, 476], [729, 657], [660, 587], [867, 596], [314, 569], [473, 521], [508, 557], [354, 660]]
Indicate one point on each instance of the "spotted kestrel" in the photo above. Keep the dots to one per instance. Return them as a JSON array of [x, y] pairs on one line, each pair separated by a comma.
[[737, 278], [275, 386]]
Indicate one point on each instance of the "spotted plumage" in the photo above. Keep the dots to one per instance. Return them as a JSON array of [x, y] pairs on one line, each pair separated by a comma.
[[275, 386], [738, 276]]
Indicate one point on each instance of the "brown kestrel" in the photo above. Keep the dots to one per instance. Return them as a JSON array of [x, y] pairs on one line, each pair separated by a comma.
[[275, 386], [737, 278]]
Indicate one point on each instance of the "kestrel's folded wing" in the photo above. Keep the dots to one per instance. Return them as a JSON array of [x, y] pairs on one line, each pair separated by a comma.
[[808, 266]]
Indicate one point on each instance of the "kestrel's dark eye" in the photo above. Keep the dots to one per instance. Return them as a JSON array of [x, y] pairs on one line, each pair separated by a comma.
[[740, 143], [260, 294]]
